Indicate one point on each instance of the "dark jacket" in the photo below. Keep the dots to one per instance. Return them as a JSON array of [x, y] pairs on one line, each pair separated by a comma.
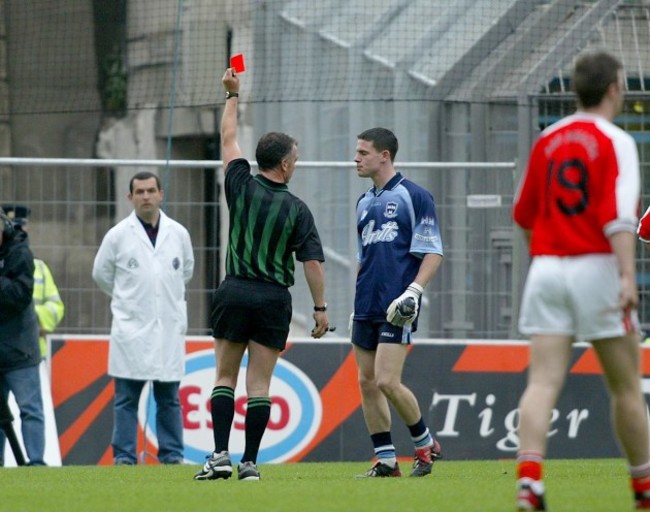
[[18, 323]]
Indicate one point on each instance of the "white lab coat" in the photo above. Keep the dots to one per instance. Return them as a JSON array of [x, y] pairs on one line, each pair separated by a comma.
[[147, 289]]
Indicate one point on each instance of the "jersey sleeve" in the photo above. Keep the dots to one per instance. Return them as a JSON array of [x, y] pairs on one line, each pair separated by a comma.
[[526, 198], [622, 207], [239, 172], [426, 230], [308, 245]]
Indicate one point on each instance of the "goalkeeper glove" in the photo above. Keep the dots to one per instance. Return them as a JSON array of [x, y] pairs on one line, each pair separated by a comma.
[[404, 309]]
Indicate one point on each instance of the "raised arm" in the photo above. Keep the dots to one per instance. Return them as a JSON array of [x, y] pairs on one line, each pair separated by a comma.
[[229, 145]]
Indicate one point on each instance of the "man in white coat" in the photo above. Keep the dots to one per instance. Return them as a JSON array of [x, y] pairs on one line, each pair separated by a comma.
[[143, 264]]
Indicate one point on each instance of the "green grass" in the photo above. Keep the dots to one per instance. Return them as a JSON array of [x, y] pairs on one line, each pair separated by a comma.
[[482, 486]]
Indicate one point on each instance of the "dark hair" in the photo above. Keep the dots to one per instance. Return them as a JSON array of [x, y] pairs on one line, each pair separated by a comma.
[[144, 175], [382, 139], [272, 148], [594, 72]]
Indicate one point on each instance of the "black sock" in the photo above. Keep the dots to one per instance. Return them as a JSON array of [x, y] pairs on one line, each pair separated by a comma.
[[222, 403], [420, 434], [258, 412], [384, 447]]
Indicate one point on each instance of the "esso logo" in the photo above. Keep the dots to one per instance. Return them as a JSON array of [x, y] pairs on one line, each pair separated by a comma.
[[296, 411]]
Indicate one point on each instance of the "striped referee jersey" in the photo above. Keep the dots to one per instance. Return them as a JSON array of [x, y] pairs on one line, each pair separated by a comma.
[[267, 225]]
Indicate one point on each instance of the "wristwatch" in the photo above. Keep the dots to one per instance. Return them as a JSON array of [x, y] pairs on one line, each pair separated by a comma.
[[321, 308], [232, 94]]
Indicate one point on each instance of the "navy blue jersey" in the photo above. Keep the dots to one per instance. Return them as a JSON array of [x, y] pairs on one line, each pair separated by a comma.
[[396, 227]]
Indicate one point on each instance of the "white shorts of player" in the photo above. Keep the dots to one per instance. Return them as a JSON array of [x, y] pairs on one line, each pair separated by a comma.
[[575, 296]]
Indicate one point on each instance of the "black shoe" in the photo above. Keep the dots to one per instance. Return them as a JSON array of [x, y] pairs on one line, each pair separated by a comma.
[[381, 470], [173, 462], [642, 500]]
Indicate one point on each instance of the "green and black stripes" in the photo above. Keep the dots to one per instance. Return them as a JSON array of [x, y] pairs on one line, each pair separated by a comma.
[[262, 401], [223, 391], [262, 222]]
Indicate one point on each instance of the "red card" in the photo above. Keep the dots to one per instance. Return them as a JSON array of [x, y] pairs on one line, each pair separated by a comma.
[[237, 63]]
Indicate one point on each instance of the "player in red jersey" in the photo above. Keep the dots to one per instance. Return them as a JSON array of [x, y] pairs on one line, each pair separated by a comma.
[[644, 227], [578, 205]]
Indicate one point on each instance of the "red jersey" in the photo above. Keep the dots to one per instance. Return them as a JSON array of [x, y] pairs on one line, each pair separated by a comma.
[[581, 186]]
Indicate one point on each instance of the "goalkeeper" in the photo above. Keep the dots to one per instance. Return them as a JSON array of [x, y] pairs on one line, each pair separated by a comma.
[[399, 251]]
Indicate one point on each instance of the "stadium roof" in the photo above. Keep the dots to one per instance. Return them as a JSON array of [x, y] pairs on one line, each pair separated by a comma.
[[469, 49]]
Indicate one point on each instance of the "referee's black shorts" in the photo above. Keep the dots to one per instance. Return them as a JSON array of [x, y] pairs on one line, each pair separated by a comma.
[[244, 310]]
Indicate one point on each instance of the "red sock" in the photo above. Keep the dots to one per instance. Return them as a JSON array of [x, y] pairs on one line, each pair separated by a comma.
[[640, 478], [529, 465], [641, 484]]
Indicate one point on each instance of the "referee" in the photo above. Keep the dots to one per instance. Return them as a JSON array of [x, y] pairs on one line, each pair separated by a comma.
[[252, 306]]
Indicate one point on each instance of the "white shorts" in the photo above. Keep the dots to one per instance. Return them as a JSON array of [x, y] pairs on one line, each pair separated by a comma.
[[575, 296]]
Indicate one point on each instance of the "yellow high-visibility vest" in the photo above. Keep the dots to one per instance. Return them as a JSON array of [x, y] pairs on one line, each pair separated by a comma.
[[47, 301]]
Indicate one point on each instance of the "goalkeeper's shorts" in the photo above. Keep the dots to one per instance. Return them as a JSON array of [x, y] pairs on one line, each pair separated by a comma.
[[369, 334]]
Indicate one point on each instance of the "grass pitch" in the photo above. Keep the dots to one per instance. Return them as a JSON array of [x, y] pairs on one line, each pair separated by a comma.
[[483, 486]]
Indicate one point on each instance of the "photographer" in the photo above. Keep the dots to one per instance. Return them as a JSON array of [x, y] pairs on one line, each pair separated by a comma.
[[47, 300], [20, 353]]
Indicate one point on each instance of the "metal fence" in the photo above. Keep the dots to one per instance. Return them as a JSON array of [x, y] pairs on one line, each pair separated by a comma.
[[75, 201]]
